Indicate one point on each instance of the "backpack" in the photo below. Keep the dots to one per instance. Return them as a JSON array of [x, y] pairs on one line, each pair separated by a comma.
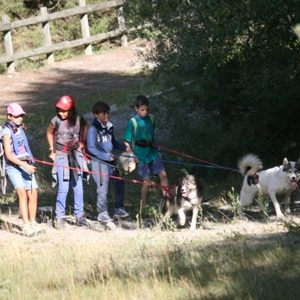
[[3, 180], [134, 123]]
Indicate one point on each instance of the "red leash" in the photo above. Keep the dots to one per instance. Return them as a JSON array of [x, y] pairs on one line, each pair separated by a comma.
[[135, 181], [87, 171], [184, 155]]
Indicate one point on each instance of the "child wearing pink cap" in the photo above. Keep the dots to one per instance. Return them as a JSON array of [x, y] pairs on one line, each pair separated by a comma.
[[19, 167]]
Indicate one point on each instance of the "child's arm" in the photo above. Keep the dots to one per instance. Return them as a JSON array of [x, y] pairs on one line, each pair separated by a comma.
[[12, 157], [50, 138], [93, 150], [128, 147], [83, 133], [128, 136]]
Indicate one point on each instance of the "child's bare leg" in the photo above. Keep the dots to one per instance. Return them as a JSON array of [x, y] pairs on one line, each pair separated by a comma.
[[32, 204], [145, 190], [164, 182], [23, 206]]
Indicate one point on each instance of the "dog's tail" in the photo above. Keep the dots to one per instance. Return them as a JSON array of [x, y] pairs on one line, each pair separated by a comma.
[[249, 164]]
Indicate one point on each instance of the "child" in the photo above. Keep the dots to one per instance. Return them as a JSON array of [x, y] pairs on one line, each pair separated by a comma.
[[138, 138], [100, 144], [66, 135], [20, 168]]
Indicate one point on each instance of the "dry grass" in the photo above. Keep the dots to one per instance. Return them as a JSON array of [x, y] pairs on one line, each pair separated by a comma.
[[241, 260]]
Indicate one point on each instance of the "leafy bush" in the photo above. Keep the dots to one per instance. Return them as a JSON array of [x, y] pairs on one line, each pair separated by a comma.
[[242, 58]]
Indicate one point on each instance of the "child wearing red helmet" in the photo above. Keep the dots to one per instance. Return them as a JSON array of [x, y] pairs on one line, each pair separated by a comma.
[[66, 136]]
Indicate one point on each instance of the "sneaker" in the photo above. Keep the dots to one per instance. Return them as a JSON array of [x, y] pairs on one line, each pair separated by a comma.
[[110, 225], [60, 223], [104, 217], [81, 221], [36, 227], [27, 230], [120, 213]]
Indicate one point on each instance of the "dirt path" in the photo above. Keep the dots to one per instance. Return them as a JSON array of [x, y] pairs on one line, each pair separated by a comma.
[[78, 76], [208, 233]]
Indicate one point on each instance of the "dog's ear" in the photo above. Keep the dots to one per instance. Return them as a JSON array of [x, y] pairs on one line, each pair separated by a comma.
[[285, 161]]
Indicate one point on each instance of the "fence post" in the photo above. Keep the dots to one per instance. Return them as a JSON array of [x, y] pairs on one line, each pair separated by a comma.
[[47, 35], [85, 29], [122, 26], [8, 44]]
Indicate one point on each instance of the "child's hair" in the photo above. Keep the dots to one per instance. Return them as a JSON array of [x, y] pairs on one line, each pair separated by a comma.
[[100, 107], [72, 115], [141, 100]]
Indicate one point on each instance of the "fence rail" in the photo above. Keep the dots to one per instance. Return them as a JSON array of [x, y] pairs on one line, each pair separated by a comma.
[[10, 57]]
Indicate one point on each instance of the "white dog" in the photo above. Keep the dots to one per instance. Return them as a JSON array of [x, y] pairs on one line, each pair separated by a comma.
[[282, 179], [186, 195]]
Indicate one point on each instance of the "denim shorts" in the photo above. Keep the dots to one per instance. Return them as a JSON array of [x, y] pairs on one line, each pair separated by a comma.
[[153, 168], [21, 179]]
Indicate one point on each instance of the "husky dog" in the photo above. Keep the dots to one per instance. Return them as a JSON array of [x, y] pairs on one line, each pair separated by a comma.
[[127, 162], [282, 179], [186, 195]]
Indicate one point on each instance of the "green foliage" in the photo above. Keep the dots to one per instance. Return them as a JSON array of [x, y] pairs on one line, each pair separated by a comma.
[[102, 22], [14, 9], [234, 201], [243, 58], [292, 226], [138, 12]]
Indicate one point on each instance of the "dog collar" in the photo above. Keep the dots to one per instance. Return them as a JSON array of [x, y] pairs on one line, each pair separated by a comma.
[[253, 179]]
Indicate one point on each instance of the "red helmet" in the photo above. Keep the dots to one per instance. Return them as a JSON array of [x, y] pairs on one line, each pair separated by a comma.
[[65, 102]]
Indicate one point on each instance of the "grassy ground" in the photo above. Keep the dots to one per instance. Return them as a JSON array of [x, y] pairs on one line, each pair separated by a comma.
[[153, 265]]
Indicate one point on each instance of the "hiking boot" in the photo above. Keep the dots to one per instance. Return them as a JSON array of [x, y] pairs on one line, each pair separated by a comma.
[[60, 223], [120, 213], [104, 217], [81, 221]]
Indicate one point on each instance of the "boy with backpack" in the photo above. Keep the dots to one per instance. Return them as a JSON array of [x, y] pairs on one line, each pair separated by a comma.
[[138, 137]]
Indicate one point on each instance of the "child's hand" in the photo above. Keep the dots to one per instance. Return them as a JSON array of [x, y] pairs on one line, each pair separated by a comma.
[[81, 146], [52, 155], [128, 148], [29, 168]]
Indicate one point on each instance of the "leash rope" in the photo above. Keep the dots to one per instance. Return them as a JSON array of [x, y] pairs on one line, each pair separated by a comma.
[[206, 164], [190, 157], [199, 165], [152, 184], [100, 160]]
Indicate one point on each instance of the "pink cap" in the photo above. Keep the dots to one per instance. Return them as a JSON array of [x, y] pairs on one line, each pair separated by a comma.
[[15, 109]]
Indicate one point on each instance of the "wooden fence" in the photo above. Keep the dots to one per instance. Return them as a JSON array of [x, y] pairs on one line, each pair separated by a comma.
[[7, 27]]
